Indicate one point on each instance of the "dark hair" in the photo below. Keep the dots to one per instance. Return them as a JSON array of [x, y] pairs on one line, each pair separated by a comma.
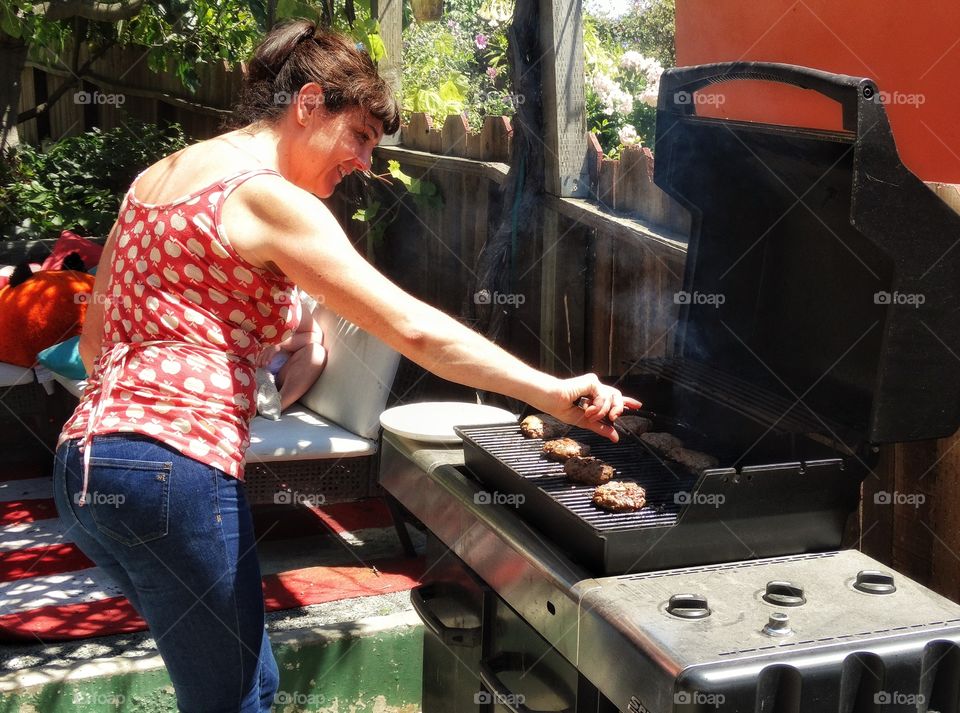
[[296, 52]]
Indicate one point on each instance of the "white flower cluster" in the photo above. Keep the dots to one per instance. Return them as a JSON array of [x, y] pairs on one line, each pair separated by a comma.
[[612, 95], [496, 12], [650, 69], [628, 135]]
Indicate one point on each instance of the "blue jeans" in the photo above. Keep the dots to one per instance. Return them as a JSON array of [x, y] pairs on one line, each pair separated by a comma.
[[177, 536]]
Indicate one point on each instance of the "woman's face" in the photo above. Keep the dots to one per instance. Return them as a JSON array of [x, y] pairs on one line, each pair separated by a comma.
[[329, 145]]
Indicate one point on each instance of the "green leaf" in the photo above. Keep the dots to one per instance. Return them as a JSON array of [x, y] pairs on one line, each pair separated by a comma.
[[450, 92], [375, 47], [9, 22], [393, 168]]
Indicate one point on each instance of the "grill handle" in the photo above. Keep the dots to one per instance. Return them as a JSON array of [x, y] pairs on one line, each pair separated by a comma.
[[449, 635], [500, 693], [677, 85]]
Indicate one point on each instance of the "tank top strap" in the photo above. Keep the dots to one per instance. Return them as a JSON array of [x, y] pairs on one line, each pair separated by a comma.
[[228, 185], [237, 179]]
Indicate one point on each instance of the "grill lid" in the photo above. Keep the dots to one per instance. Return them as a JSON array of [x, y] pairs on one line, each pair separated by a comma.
[[820, 268]]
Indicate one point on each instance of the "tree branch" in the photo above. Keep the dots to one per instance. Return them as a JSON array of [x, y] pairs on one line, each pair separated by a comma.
[[71, 82], [89, 9]]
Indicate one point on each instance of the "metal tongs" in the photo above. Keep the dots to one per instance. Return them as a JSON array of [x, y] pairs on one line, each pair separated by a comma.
[[584, 401]]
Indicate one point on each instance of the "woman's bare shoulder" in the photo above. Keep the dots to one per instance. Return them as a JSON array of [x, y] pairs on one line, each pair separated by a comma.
[[193, 168]]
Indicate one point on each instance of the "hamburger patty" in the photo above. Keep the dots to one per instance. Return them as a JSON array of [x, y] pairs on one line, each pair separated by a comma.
[[662, 442], [693, 460], [588, 470], [541, 425], [563, 449], [619, 496], [637, 425]]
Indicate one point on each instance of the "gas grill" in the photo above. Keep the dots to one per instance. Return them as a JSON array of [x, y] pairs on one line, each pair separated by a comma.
[[818, 321]]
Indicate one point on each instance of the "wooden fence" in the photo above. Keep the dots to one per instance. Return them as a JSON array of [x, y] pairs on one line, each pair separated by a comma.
[[119, 84], [624, 185]]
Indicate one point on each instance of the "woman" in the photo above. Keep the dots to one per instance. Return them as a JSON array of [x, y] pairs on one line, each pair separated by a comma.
[[196, 281]]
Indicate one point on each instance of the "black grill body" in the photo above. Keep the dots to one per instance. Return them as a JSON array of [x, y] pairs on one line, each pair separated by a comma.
[[724, 514]]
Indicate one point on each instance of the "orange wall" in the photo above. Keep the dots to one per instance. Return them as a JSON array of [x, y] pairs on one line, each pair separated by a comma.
[[911, 49]]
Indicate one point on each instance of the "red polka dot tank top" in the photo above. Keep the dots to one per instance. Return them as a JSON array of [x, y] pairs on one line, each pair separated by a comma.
[[185, 318]]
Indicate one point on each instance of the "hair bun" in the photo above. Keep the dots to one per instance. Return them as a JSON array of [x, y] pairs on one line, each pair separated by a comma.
[[277, 47]]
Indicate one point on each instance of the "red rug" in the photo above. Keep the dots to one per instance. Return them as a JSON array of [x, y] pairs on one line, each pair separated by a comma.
[[50, 591]]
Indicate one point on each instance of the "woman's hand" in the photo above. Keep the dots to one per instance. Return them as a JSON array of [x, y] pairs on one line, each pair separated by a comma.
[[606, 402]]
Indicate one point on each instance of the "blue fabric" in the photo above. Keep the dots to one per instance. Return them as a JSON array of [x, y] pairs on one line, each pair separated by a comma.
[[177, 536], [64, 358]]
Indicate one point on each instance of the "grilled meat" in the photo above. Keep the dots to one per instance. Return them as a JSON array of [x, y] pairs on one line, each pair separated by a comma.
[[563, 449], [662, 442], [694, 461], [637, 425], [620, 496], [588, 470], [542, 425]]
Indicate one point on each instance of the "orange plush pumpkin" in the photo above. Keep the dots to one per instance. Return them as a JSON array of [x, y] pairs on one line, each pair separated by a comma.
[[40, 312]]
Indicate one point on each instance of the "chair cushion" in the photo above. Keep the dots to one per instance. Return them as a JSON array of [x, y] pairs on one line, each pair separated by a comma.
[[41, 311], [353, 389], [301, 434], [70, 242], [13, 375], [73, 386], [64, 358]]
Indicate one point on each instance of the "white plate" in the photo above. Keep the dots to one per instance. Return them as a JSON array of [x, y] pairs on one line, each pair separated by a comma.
[[434, 420]]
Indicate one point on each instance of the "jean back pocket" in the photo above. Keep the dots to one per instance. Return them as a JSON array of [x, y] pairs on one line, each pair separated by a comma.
[[129, 500]]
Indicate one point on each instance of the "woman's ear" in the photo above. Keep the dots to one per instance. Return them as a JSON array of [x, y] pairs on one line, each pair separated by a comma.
[[309, 100]]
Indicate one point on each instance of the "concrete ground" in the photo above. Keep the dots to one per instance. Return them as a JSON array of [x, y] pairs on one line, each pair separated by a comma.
[[346, 656]]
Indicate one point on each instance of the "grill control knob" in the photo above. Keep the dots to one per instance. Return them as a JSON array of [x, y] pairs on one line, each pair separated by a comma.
[[778, 625], [688, 606], [784, 594], [871, 581]]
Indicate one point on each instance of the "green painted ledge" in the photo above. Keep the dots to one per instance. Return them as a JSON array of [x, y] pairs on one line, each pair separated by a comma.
[[373, 665]]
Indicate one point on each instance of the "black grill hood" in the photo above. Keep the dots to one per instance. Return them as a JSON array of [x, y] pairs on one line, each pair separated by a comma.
[[835, 265]]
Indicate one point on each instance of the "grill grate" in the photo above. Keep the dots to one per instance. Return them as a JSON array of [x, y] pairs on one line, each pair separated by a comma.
[[632, 459]]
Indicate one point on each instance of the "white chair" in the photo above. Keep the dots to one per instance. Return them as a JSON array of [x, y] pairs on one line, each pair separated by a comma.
[[324, 447], [326, 444]]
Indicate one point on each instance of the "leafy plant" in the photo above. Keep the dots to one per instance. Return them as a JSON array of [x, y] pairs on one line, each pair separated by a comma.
[[621, 91], [79, 182], [424, 194], [459, 63]]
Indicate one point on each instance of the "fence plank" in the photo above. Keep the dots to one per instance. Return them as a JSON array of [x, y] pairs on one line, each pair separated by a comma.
[[495, 137], [631, 181], [594, 157], [607, 182], [454, 135], [416, 134]]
